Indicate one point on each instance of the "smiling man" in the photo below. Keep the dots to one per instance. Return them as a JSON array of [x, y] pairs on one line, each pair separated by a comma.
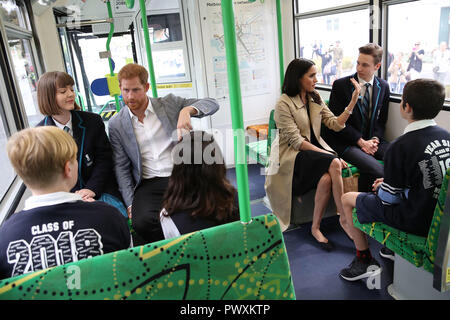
[[362, 142], [142, 136]]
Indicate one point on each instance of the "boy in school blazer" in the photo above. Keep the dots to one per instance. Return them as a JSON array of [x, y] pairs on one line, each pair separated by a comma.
[[362, 142]]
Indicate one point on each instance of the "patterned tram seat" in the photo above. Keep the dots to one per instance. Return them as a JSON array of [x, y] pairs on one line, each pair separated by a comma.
[[420, 251], [231, 261]]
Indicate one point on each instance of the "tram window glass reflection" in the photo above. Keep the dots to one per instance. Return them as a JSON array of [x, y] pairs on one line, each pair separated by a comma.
[[7, 172], [95, 68], [26, 74], [169, 64], [164, 28], [418, 50], [308, 6], [333, 44], [14, 12]]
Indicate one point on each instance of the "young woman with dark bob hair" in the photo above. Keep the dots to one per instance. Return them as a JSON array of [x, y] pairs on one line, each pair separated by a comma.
[[198, 195], [56, 100], [300, 160]]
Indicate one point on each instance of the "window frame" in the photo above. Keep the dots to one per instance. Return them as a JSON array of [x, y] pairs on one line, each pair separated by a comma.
[[164, 46], [361, 5]]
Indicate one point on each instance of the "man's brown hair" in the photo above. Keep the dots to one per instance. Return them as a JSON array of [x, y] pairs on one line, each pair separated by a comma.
[[373, 50], [47, 85], [40, 154], [133, 70]]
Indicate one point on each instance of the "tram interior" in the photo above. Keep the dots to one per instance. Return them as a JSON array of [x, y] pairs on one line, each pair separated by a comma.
[[187, 41]]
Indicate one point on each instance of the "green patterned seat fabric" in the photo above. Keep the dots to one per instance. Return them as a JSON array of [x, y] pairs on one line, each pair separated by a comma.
[[433, 234], [417, 250], [409, 246], [231, 261], [258, 151]]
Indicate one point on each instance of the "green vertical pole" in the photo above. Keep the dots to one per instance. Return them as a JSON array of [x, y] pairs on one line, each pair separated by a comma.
[[236, 109], [280, 42], [148, 48], [110, 35]]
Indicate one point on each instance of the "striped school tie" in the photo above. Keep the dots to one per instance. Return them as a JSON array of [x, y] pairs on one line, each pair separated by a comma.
[[366, 110], [66, 129]]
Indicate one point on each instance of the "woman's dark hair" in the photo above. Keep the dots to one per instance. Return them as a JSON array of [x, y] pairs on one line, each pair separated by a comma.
[[425, 96], [294, 72], [198, 183]]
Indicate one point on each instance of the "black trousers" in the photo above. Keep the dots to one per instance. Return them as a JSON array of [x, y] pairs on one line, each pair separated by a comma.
[[370, 168], [145, 210]]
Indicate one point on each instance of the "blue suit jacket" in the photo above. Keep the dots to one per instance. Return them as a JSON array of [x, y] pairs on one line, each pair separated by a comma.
[[94, 156], [340, 97], [126, 152]]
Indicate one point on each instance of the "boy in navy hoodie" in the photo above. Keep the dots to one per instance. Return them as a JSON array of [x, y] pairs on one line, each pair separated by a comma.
[[414, 168], [56, 227]]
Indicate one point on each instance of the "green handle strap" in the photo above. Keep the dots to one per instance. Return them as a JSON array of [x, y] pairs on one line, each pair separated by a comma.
[[148, 48], [236, 109], [110, 35]]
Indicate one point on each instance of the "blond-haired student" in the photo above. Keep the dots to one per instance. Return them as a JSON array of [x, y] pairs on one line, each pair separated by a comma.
[[56, 226]]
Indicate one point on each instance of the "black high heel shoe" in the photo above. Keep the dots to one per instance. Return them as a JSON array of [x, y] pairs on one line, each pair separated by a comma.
[[327, 246]]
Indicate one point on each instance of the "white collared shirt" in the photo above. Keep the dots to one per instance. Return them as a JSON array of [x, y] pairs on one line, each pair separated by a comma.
[[363, 88], [420, 124], [68, 124], [50, 199], [154, 143]]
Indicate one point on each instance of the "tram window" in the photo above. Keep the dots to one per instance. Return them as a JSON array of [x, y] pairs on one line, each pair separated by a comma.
[[332, 42], [95, 67], [309, 6], [14, 12], [169, 64], [165, 27], [418, 49], [169, 49], [7, 172], [26, 74]]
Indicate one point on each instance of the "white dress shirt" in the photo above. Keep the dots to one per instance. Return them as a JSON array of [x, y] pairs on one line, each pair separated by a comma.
[[68, 124], [419, 124], [50, 199], [363, 89], [154, 143]]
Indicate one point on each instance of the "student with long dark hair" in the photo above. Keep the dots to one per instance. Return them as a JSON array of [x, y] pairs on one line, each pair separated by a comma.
[[56, 100], [305, 161], [198, 195]]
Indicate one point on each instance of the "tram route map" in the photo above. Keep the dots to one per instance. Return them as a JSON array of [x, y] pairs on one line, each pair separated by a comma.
[[252, 37]]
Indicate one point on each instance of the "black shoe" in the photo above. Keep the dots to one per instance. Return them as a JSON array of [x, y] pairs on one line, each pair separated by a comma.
[[358, 270], [327, 246], [387, 253]]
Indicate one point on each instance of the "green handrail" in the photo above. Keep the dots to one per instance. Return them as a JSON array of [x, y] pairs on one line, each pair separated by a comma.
[[280, 42], [110, 35], [236, 109], [148, 48]]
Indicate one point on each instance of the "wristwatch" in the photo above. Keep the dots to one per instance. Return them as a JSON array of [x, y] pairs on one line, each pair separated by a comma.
[[348, 111]]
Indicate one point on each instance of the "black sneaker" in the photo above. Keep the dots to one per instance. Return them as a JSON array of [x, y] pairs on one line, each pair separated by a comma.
[[358, 270], [387, 253]]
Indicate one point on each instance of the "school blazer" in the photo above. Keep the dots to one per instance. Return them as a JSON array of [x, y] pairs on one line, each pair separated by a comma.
[[94, 155], [292, 121], [126, 152], [340, 97]]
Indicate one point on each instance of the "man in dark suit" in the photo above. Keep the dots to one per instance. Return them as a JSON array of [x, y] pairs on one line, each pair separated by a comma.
[[361, 142], [142, 136]]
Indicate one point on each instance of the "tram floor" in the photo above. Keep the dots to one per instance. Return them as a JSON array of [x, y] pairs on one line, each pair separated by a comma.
[[315, 272]]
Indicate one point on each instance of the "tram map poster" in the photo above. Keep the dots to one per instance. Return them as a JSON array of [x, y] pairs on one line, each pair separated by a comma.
[[253, 36]]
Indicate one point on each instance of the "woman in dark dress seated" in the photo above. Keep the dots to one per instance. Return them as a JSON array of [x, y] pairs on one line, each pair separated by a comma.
[[300, 160], [198, 195]]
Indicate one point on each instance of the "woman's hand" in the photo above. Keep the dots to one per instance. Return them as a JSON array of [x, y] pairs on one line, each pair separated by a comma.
[[344, 164], [356, 92]]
